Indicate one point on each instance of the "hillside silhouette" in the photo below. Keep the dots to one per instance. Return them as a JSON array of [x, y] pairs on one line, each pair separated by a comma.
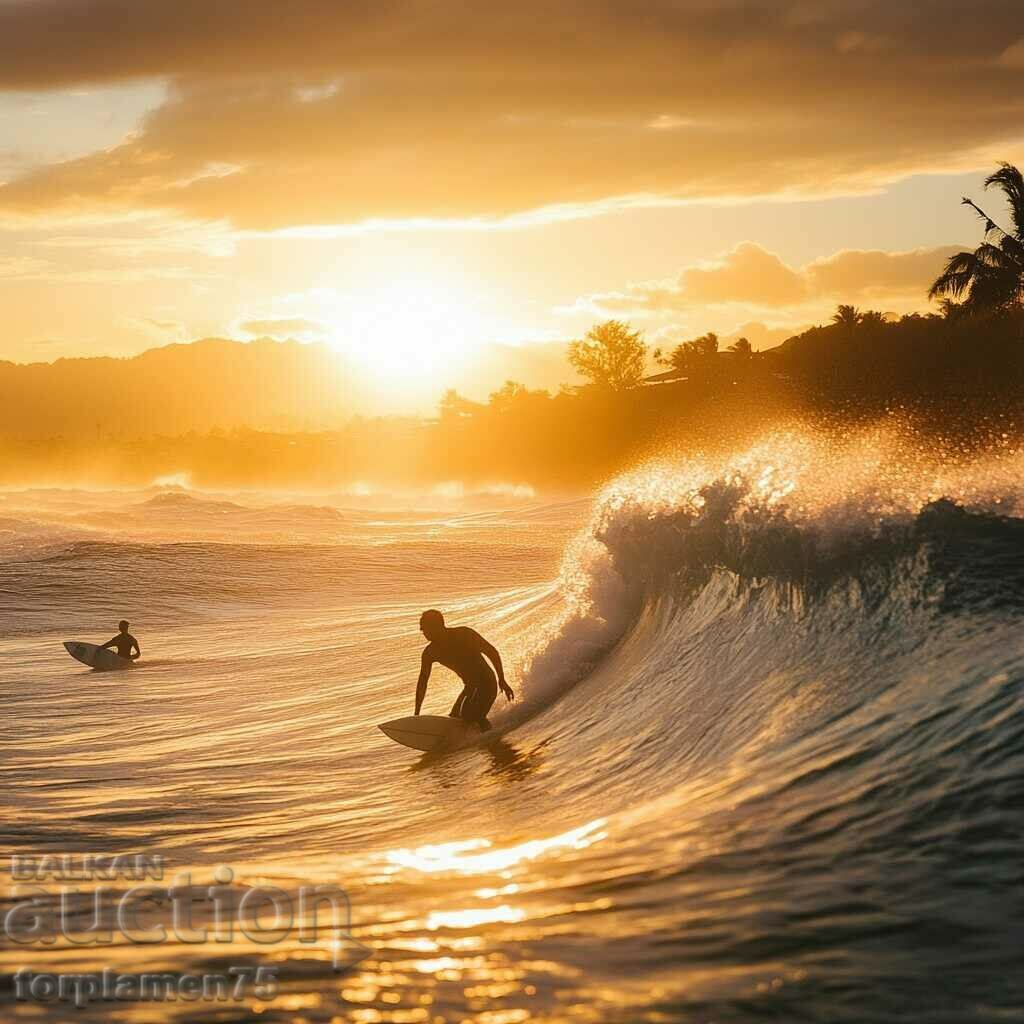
[[206, 385]]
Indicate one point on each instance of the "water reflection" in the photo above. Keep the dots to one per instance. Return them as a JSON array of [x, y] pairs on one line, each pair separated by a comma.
[[460, 856]]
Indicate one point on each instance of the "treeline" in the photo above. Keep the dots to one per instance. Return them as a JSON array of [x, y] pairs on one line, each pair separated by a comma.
[[951, 375], [563, 442], [912, 357]]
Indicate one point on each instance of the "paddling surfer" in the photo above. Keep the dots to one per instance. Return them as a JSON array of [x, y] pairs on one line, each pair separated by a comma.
[[124, 643], [462, 650]]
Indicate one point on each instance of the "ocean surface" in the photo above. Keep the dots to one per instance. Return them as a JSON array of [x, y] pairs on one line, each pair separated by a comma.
[[766, 760]]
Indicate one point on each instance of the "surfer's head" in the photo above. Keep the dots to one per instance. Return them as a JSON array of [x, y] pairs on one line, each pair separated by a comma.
[[123, 625], [431, 623]]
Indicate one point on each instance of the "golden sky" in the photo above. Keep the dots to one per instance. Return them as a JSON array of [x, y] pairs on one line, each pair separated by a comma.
[[410, 181]]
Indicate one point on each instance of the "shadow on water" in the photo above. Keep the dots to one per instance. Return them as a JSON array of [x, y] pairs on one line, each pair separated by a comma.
[[121, 673], [507, 761], [511, 762]]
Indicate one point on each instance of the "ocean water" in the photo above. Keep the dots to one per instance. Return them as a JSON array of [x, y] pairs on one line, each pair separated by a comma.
[[766, 760]]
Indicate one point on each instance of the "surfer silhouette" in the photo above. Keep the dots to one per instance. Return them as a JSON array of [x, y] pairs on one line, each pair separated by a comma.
[[124, 643], [462, 650]]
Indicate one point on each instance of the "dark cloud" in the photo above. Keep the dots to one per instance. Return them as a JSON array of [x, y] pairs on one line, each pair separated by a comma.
[[320, 112], [750, 275], [872, 274]]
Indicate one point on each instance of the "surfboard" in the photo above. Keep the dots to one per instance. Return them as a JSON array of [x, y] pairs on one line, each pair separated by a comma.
[[100, 658], [428, 732]]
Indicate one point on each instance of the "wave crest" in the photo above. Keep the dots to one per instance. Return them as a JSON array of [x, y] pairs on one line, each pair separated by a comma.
[[808, 510]]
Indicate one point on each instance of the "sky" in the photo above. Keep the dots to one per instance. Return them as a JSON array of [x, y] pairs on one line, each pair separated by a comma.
[[411, 181]]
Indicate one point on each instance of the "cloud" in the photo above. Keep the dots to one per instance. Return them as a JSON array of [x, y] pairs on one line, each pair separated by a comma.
[[156, 328], [49, 342], [22, 267], [874, 274], [283, 328], [854, 40], [1013, 56], [749, 276], [326, 113], [30, 268], [762, 336], [146, 238]]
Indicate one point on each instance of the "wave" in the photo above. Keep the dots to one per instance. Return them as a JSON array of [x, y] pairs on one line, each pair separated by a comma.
[[867, 517]]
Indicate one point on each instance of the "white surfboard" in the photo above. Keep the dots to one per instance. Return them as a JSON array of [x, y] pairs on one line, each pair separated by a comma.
[[101, 658], [428, 732]]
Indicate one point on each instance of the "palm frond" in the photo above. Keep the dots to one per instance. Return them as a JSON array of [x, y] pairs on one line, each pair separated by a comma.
[[992, 290], [992, 276], [992, 229], [997, 257], [955, 281], [1013, 247], [1011, 181]]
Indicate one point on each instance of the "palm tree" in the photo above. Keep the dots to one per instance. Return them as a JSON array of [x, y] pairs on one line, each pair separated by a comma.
[[872, 318], [453, 406], [992, 276], [846, 316], [706, 345], [950, 310], [690, 354]]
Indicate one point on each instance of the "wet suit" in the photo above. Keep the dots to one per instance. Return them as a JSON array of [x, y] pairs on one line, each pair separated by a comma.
[[462, 650], [123, 643]]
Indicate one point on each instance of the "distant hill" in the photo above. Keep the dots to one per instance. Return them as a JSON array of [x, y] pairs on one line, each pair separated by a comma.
[[218, 383], [208, 384]]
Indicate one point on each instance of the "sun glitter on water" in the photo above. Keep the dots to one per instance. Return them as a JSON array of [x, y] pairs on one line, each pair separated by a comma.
[[463, 858]]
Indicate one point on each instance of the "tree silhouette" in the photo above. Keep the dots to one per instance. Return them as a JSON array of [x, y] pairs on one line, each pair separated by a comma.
[[689, 354], [846, 316], [507, 395], [872, 318], [512, 394], [742, 347], [950, 310], [453, 405], [611, 356], [705, 345], [992, 276]]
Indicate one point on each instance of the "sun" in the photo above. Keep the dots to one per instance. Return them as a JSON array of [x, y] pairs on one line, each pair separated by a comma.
[[406, 334]]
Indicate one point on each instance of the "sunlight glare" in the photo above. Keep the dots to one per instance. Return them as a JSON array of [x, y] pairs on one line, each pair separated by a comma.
[[408, 332]]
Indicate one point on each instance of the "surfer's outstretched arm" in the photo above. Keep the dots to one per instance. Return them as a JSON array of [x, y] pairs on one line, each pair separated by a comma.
[[492, 652], [109, 645], [137, 649], [426, 663]]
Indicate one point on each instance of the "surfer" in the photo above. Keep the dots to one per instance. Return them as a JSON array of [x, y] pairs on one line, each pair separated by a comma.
[[124, 643], [462, 650]]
